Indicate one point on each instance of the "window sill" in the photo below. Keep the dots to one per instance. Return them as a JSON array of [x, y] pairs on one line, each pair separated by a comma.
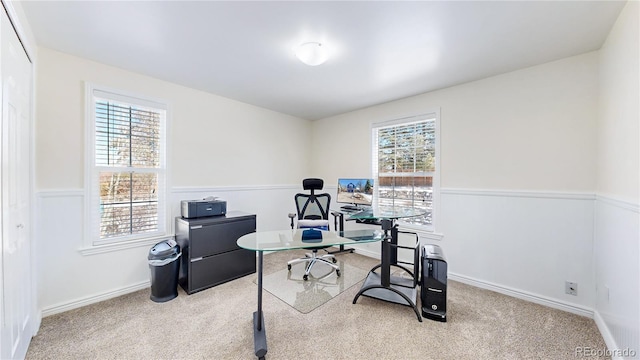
[[124, 245]]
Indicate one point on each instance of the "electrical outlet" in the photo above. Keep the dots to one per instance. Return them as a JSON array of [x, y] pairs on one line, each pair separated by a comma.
[[571, 288]]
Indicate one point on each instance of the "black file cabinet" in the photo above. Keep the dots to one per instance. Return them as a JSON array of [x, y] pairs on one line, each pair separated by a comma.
[[210, 255]]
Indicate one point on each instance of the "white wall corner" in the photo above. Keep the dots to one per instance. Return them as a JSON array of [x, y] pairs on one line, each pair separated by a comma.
[[608, 338]]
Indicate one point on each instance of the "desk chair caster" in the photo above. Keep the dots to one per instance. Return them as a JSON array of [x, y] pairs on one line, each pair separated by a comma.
[[311, 259], [306, 277]]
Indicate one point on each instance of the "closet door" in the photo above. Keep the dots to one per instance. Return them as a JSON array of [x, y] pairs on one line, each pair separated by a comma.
[[17, 283]]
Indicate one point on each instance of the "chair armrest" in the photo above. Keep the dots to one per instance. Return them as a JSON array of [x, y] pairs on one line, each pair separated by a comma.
[[292, 216]]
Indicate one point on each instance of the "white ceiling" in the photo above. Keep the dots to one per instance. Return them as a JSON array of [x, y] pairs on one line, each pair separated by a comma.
[[381, 51]]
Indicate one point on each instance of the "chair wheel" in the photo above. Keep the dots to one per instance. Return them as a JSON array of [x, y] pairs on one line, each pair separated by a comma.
[[334, 260], [288, 266], [338, 272], [305, 277]]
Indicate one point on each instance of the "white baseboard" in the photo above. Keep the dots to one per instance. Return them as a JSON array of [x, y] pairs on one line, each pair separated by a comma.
[[552, 303], [94, 299], [519, 294], [609, 340]]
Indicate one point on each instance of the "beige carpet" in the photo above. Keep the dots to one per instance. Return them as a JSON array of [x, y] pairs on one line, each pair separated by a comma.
[[217, 324], [323, 284]]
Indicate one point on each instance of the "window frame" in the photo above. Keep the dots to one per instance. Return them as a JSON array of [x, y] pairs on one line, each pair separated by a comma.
[[403, 120], [92, 242]]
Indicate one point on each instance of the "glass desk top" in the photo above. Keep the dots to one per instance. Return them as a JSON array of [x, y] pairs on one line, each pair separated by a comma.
[[305, 238], [382, 213]]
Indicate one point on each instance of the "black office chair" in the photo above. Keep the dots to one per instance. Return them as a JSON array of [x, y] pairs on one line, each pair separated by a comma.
[[313, 212]]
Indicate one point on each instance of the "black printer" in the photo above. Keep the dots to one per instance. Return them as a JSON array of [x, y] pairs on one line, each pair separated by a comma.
[[200, 208]]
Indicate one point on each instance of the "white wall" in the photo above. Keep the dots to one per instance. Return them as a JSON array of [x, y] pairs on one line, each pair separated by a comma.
[[531, 129], [618, 122], [213, 140], [517, 176], [525, 244], [218, 147], [617, 234]]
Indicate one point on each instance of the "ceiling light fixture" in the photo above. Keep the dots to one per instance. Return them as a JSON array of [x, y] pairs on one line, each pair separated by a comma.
[[312, 53]]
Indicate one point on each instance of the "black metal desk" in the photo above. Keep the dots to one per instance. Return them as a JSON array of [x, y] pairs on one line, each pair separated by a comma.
[[288, 240], [382, 285]]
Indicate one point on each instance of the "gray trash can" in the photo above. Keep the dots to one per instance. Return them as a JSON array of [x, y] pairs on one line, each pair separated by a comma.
[[164, 265]]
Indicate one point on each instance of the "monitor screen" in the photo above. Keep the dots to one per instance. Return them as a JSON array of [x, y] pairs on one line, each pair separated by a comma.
[[355, 191]]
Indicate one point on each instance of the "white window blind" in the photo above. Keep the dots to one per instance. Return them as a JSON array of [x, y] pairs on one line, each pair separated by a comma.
[[127, 168], [404, 164]]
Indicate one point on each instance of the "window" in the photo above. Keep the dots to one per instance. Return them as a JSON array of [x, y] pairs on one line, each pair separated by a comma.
[[405, 164], [126, 167]]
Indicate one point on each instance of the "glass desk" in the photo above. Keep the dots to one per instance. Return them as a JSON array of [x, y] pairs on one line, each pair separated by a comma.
[[288, 240], [382, 285], [385, 213]]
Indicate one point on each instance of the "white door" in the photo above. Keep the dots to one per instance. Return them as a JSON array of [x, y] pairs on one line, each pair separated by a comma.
[[17, 296]]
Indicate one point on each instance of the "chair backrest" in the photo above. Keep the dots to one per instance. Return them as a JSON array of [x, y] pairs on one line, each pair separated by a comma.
[[313, 206]]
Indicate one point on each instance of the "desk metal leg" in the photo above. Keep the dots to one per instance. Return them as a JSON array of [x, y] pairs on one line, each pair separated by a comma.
[[259, 331], [341, 250], [385, 269], [380, 286], [338, 225]]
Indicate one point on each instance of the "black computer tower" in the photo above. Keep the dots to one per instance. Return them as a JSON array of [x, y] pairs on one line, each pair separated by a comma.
[[433, 285]]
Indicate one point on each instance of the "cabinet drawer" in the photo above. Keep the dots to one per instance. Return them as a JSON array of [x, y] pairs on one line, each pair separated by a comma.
[[217, 269], [214, 239]]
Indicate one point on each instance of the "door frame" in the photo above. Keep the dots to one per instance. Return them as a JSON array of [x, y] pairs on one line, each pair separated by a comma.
[[17, 19]]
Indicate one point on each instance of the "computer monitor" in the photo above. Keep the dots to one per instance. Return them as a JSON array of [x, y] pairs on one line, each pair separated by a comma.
[[355, 191]]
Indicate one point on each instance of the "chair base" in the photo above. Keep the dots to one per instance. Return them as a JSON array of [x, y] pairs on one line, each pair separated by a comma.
[[312, 258]]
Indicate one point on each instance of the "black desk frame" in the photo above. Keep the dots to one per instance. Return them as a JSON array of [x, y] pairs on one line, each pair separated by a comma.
[[339, 226], [259, 331], [382, 285]]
